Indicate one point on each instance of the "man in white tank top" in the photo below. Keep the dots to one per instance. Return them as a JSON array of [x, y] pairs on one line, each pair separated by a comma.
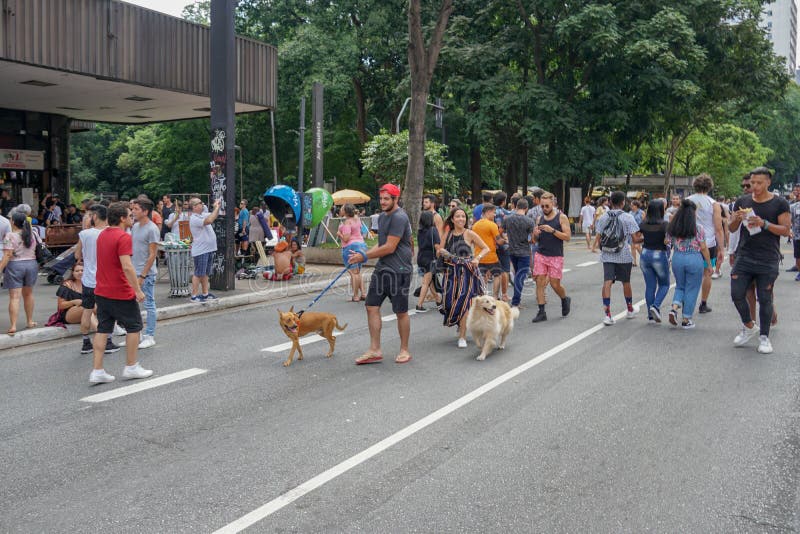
[[709, 216]]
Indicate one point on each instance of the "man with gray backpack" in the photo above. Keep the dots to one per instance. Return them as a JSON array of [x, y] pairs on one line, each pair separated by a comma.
[[616, 230]]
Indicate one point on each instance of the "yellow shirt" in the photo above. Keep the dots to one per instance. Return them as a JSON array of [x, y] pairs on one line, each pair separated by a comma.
[[488, 231]]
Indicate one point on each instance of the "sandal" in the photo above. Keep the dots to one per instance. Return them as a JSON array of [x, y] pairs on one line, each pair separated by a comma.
[[33, 324], [403, 357], [11, 332], [368, 357]]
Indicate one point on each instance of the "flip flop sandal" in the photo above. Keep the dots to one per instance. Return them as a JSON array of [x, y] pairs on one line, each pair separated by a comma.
[[33, 325], [404, 360], [11, 333], [368, 358]]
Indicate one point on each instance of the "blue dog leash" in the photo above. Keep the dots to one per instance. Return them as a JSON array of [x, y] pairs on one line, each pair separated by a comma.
[[301, 312]]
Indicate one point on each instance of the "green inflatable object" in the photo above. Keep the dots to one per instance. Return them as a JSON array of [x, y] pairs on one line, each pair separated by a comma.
[[321, 202]]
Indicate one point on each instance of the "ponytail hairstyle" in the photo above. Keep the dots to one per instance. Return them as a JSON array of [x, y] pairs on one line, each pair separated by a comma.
[[21, 221]]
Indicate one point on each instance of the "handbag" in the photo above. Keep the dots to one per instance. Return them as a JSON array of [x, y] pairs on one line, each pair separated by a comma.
[[43, 254]]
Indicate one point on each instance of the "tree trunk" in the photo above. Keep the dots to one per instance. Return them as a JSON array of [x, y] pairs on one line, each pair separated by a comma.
[[525, 171], [421, 62], [475, 169], [361, 112]]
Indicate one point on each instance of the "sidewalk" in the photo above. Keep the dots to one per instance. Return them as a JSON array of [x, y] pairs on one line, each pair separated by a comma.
[[247, 292]]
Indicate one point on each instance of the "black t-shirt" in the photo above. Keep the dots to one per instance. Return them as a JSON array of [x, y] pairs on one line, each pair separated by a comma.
[[763, 246], [653, 235], [426, 239]]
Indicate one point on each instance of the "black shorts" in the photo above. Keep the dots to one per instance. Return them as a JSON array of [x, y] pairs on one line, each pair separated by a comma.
[[797, 249], [495, 268], [87, 298], [617, 272], [385, 284], [505, 259], [124, 312]]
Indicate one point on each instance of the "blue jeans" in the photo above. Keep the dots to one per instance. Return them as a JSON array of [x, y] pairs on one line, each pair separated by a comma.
[[149, 290], [655, 268], [688, 270], [522, 265]]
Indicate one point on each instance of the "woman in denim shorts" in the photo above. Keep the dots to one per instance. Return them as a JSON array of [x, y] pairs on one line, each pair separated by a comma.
[[19, 268]]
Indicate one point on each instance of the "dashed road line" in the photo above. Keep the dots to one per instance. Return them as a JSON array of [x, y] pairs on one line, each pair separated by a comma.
[[587, 263], [144, 385], [303, 341]]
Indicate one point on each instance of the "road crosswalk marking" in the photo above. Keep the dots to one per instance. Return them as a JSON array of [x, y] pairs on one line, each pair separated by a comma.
[[144, 385]]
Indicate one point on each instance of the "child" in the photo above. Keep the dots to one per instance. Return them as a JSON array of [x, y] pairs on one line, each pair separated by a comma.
[[283, 263], [298, 258]]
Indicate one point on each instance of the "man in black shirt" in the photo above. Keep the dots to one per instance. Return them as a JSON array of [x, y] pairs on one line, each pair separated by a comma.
[[765, 216]]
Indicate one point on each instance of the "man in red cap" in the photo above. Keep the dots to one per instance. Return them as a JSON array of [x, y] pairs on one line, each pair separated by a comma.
[[391, 277]]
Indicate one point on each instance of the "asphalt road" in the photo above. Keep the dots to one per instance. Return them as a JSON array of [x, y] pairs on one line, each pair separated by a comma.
[[628, 428]]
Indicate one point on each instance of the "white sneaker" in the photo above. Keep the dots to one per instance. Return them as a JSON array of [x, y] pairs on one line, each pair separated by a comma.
[[745, 335], [715, 276], [136, 371], [764, 345], [147, 342], [630, 314], [462, 343], [608, 320], [119, 331], [100, 377]]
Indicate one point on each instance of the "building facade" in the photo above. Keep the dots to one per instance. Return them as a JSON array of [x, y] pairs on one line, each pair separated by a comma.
[[779, 19]]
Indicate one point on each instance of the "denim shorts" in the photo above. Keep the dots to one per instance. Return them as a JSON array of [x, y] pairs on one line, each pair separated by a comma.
[[203, 264], [20, 273]]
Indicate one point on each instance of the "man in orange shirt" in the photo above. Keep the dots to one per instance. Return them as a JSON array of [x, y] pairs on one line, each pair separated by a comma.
[[489, 233]]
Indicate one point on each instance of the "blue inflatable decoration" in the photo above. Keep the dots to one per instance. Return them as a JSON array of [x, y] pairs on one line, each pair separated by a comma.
[[281, 200]]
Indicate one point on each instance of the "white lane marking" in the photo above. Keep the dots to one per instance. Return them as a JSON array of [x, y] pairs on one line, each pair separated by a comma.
[[303, 341], [310, 485], [393, 317], [144, 385], [566, 270], [587, 263]]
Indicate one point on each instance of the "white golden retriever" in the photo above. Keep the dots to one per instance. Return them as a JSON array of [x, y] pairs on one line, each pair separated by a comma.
[[489, 322]]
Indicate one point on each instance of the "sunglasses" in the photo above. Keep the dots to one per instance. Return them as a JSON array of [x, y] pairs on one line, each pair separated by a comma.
[[746, 186]]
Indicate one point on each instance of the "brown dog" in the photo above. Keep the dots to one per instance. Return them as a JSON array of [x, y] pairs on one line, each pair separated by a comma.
[[311, 322]]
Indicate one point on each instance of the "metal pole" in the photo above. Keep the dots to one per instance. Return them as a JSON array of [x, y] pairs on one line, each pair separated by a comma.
[[222, 89], [241, 172], [274, 150]]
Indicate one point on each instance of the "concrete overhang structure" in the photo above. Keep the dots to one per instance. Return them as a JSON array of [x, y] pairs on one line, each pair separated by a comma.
[[110, 61]]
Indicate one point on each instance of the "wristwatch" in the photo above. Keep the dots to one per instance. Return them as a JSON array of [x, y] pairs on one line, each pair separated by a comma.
[[766, 224]]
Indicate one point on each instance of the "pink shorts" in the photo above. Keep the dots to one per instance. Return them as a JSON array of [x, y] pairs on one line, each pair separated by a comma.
[[552, 266]]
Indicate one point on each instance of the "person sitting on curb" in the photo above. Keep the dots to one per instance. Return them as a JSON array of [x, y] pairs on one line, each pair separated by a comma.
[[283, 263], [70, 300]]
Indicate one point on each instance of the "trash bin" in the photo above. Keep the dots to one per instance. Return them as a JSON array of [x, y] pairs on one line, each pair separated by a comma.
[[179, 264]]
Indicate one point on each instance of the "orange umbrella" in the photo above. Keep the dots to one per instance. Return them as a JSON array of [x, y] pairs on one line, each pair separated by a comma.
[[350, 196]]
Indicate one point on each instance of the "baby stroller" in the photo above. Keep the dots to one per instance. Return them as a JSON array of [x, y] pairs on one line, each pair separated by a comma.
[[58, 265]]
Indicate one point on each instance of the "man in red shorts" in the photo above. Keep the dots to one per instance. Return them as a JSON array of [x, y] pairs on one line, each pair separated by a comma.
[[552, 229], [117, 294]]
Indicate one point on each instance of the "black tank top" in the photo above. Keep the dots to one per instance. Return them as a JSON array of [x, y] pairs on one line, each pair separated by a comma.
[[654, 235], [456, 246], [549, 244]]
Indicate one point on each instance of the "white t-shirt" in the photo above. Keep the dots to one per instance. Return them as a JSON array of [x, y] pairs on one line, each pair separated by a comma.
[[204, 239], [5, 227], [176, 230], [705, 216], [587, 216], [88, 240]]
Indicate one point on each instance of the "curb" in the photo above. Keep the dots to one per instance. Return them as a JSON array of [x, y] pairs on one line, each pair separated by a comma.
[[52, 333]]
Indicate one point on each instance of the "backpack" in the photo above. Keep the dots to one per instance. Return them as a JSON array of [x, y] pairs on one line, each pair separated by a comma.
[[612, 239]]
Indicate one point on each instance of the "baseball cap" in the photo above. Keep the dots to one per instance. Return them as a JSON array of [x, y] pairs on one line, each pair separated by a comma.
[[392, 189]]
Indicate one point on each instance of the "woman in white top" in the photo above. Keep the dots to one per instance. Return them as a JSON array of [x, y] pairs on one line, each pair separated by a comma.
[[178, 215]]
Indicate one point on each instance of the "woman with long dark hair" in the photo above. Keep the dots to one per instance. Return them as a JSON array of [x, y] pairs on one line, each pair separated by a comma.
[[460, 242], [427, 246], [655, 259], [688, 252], [20, 268]]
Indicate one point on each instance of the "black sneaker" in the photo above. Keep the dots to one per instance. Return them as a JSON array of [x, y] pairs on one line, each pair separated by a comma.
[[541, 316], [87, 347], [792, 269], [704, 308], [111, 347], [565, 306]]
